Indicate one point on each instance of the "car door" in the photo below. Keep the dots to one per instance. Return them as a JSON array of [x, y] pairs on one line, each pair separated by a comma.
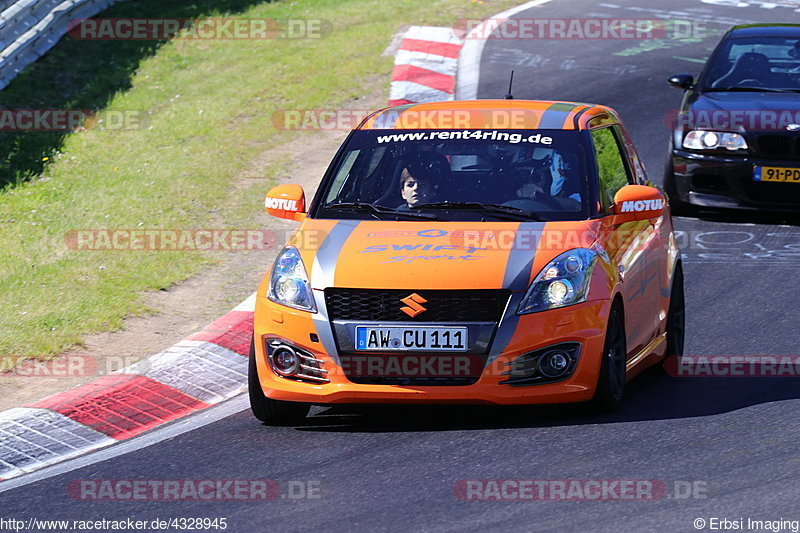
[[661, 256], [633, 247]]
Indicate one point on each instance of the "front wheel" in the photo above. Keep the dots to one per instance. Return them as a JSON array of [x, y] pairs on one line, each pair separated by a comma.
[[611, 382], [269, 411]]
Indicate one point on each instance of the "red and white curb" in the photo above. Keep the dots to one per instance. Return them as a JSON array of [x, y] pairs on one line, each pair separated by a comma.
[[425, 66], [202, 370]]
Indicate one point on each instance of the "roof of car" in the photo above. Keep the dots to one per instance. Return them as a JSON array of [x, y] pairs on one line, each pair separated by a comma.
[[491, 114], [765, 30]]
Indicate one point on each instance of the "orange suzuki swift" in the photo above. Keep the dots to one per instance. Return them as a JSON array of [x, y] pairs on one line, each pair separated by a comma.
[[493, 251]]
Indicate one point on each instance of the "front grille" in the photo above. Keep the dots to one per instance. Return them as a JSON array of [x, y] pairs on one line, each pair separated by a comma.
[[774, 145], [480, 305], [777, 146]]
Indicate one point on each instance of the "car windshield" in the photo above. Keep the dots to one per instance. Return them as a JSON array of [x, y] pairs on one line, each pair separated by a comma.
[[771, 63], [458, 175]]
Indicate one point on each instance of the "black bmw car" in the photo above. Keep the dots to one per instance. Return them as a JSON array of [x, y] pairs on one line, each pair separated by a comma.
[[736, 137]]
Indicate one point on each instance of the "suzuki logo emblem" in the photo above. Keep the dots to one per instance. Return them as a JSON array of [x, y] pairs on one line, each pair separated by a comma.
[[413, 305]]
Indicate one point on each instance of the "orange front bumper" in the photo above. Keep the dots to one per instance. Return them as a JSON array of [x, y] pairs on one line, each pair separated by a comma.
[[583, 323]]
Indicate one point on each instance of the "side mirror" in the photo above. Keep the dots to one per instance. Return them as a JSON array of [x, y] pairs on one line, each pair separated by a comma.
[[286, 201], [637, 202], [682, 81]]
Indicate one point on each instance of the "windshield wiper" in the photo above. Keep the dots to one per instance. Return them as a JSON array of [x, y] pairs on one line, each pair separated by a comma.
[[378, 211], [748, 90], [505, 211]]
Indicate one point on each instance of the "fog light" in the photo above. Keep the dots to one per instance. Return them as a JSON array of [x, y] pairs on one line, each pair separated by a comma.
[[554, 364], [285, 361], [545, 365]]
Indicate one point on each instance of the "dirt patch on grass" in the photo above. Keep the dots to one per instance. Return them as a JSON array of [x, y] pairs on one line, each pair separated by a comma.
[[188, 306]]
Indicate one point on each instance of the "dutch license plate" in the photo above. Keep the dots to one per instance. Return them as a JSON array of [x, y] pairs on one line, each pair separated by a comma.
[[781, 174], [411, 338]]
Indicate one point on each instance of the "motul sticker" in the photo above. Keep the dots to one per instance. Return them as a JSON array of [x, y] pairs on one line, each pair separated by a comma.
[[642, 205], [280, 203]]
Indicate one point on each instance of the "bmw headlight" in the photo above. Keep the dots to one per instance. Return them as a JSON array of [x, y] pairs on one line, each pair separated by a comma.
[[288, 284], [564, 281], [713, 140]]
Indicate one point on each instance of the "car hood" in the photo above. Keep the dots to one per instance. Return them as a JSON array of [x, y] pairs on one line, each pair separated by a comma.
[[775, 110], [434, 255]]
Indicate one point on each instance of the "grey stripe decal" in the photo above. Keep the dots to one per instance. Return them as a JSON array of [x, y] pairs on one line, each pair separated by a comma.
[[555, 115], [517, 276], [508, 325], [322, 276], [520, 259], [324, 267]]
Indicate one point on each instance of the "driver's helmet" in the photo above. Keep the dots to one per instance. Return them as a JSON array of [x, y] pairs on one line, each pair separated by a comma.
[[548, 175]]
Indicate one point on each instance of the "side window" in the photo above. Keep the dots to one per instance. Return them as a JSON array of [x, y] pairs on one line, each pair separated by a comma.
[[610, 165]]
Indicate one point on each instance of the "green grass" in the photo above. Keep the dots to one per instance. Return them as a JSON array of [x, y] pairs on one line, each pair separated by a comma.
[[179, 169]]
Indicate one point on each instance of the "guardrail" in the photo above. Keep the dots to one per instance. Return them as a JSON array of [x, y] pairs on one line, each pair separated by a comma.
[[29, 28]]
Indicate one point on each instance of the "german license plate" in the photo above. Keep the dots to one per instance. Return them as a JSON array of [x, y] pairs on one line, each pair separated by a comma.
[[411, 338], [782, 174]]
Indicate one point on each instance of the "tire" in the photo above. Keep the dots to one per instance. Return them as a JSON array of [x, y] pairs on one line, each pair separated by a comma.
[[676, 316], [267, 410], [677, 206], [611, 381]]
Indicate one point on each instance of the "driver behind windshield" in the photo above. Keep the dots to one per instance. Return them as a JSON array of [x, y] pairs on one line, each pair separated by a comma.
[[418, 177], [548, 177], [414, 189]]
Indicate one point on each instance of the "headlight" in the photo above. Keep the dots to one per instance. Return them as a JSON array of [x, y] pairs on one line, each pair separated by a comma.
[[564, 281], [288, 284], [713, 140]]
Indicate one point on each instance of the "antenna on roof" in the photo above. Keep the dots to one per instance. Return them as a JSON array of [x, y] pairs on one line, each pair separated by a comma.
[[510, 96]]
